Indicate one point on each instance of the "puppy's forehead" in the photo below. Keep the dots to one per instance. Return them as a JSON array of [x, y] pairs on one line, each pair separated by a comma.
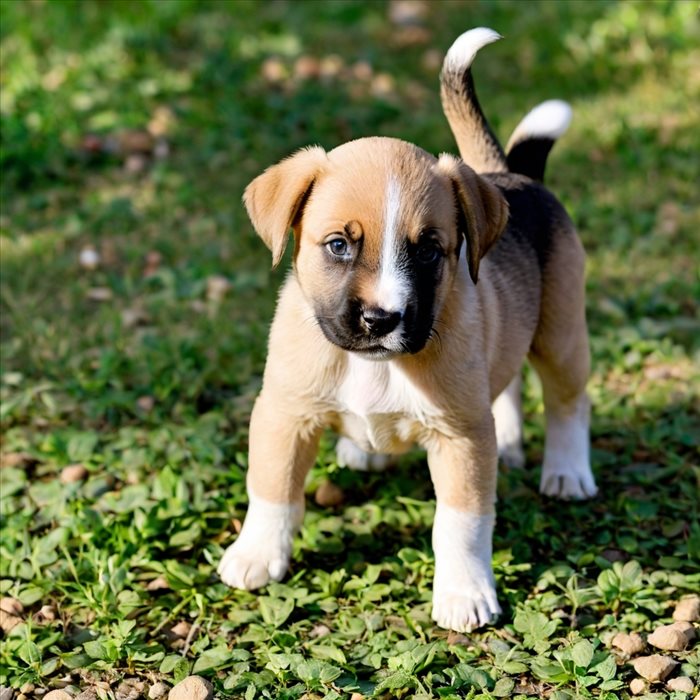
[[379, 182]]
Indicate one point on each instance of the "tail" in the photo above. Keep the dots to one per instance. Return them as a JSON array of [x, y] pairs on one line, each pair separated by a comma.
[[477, 144], [532, 139]]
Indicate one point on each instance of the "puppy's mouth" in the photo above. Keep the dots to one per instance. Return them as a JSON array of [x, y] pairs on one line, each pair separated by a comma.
[[351, 338]]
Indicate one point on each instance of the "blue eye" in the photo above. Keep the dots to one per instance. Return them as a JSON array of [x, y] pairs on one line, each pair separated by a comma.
[[428, 253], [338, 247]]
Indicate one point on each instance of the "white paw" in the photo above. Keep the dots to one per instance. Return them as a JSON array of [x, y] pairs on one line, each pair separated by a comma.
[[566, 471], [262, 551], [349, 455], [249, 566], [465, 603], [464, 592], [571, 483]]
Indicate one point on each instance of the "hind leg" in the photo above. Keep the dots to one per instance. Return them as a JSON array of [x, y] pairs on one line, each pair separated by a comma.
[[508, 416], [561, 358]]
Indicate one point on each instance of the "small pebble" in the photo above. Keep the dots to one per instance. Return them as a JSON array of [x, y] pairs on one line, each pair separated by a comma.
[[328, 495], [89, 258], [654, 668], [687, 628], [146, 403], [319, 631], [357, 696], [192, 688], [73, 473], [131, 689], [47, 613], [273, 70], [158, 584], [408, 12], [688, 609], [306, 67], [362, 70], [27, 688], [89, 694], [162, 121], [6, 693], [135, 163], [134, 316], [638, 686], [153, 261], [57, 695], [682, 684], [16, 459], [99, 294], [181, 629], [631, 644], [217, 288], [8, 622], [331, 66], [136, 141], [673, 637], [158, 690], [11, 606]]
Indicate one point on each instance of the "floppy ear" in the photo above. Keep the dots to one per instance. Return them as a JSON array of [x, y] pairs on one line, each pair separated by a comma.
[[483, 208], [274, 199]]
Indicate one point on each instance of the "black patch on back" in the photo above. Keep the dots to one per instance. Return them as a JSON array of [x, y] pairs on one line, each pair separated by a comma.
[[529, 157], [536, 216]]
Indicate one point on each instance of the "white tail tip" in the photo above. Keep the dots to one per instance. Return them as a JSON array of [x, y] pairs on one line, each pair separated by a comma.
[[549, 120], [466, 46]]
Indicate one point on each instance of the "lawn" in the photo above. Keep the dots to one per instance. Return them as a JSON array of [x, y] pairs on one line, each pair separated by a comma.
[[136, 298]]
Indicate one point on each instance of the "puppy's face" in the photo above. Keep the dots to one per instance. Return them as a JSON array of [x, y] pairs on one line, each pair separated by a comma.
[[379, 226], [378, 249]]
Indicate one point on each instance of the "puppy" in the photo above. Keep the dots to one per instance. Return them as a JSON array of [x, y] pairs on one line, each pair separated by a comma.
[[386, 334]]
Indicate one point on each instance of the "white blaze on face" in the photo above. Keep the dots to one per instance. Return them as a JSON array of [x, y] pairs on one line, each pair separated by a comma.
[[393, 286]]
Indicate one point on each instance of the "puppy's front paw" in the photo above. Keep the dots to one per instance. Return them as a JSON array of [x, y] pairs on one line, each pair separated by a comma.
[[571, 483], [464, 591], [262, 551], [248, 565], [465, 603], [353, 457]]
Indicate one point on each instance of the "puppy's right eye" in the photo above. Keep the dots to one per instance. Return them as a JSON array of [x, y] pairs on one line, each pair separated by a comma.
[[338, 247]]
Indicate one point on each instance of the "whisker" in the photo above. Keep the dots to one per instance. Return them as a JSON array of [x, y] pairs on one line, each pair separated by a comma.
[[436, 337]]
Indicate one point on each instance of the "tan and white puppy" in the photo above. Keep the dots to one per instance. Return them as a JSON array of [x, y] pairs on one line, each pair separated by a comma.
[[382, 332]]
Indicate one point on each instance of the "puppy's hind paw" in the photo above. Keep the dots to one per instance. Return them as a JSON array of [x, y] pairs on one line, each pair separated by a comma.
[[466, 610], [571, 485], [349, 455], [246, 568]]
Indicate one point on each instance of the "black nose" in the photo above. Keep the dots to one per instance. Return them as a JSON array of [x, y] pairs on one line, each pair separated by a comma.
[[380, 322]]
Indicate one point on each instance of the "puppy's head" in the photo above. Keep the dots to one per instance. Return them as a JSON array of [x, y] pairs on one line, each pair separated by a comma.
[[378, 227]]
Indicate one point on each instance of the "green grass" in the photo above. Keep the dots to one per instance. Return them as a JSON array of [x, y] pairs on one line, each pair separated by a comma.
[[151, 388]]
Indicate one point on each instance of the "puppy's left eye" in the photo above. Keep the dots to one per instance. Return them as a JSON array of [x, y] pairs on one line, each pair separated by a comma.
[[428, 253], [338, 247]]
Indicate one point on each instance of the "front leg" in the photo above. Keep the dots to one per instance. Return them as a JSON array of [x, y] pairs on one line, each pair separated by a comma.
[[464, 474], [282, 450]]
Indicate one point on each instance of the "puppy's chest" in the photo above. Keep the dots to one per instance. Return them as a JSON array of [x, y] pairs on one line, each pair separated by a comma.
[[379, 408]]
